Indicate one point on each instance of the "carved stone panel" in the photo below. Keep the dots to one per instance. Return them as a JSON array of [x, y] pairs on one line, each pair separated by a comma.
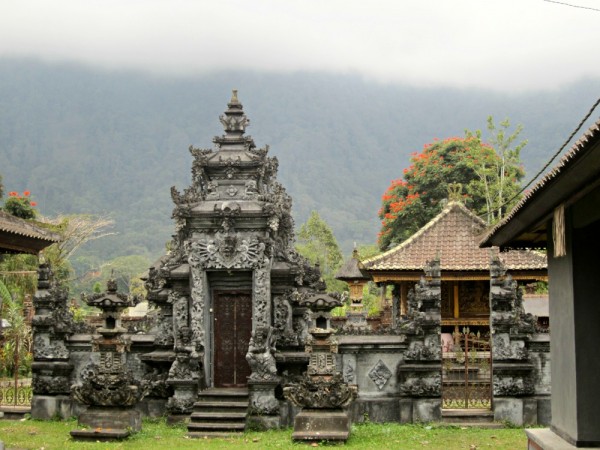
[[262, 295], [380, 374]]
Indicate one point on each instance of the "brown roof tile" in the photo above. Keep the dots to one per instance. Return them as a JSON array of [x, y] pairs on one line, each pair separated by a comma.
[[453, 236]]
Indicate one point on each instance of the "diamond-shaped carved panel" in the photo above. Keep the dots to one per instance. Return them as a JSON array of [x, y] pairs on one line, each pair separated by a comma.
[[380, 374]]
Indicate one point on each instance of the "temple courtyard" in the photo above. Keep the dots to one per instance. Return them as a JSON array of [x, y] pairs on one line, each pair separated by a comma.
[[34, 434]]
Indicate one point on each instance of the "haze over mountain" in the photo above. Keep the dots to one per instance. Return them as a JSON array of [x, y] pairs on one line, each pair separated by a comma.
[[94, 141]]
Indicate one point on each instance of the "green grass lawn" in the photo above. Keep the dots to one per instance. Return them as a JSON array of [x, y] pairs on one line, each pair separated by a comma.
[[50, 435]]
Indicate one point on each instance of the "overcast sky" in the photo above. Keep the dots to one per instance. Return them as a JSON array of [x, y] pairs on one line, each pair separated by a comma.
[[501, 44]]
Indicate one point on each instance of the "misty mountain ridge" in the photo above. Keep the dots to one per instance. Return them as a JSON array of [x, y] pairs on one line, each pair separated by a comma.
[[90, 141]]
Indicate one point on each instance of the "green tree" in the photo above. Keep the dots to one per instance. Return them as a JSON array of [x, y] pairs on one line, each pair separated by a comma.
[[317, 243], [126, 270], [18, 338], [75, 230], [500, 177], [488, 180]]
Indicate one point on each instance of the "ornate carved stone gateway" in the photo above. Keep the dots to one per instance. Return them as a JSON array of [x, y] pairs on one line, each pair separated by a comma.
[[232, 279]]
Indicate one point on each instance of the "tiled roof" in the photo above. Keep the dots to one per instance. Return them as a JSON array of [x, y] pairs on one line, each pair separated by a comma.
[[12, 225], [453, 236], [352, 270], [571, 157]]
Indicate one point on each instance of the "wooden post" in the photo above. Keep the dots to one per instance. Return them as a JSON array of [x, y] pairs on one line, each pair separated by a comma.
[[16, 361]]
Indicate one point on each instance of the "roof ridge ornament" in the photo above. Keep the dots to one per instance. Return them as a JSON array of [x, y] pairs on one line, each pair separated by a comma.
[[455, 192]]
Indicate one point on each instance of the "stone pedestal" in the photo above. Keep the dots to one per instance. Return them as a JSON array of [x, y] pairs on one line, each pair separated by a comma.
[[321, 424], [181, 404], [108, 423], [263, 410]]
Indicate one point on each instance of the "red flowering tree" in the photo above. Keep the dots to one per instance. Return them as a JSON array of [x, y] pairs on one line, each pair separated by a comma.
[[20, 205], [487, 178]]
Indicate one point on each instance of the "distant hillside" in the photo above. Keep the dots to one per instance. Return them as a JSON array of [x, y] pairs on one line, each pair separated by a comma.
[[84, 140]]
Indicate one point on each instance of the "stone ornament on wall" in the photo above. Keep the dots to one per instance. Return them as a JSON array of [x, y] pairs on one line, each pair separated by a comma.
[[416, 385], [108, 384], [261, 314], [380, 374], [226, 251]]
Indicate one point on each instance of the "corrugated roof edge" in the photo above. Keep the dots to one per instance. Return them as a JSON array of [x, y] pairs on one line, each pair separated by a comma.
[[567, 160]]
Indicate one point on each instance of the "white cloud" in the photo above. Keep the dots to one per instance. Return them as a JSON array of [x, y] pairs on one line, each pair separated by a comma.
[[503, 44]]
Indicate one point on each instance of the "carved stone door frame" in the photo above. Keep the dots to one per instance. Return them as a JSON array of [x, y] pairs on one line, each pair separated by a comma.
[[202, 257]]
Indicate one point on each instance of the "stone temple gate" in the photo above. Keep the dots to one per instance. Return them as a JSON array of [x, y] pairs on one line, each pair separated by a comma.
[[232, 272]]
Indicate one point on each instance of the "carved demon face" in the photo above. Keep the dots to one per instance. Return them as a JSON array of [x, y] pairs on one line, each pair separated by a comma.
[[228, 246]]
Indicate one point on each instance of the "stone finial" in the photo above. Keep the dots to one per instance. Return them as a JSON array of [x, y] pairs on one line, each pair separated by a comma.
[[455, 192], [234, 97]]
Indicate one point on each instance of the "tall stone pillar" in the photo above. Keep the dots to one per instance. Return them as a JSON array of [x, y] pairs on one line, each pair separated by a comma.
[[420, 374], [51, 368], [511, 330]]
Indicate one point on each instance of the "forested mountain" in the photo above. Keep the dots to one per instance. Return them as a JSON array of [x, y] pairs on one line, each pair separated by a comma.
[[87, 140]]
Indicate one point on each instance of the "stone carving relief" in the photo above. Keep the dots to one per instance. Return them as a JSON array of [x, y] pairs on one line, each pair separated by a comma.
[[504, 348], [511, 386], [418, 351], [262, 295], [184, 368], [226, 251], [417, 385], [50, 384], [45, 348], [321, 393], [263, 405], [181, 403], [198, 301], [349, 373], [260, 355], [380, 374], [107, 383], [156, 384]]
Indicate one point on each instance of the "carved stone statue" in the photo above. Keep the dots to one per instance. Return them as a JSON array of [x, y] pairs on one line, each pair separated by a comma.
[[260, 355]]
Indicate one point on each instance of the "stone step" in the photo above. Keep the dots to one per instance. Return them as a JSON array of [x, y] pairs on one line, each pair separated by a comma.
[[223, 395], [465, 424], [201, 415], [467, 415], [213, 434], [216, 426], [227, 392], [217, 406], [219, 411]]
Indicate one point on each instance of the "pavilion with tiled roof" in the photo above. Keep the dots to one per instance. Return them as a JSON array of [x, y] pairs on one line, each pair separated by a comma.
[[453, 237], [23, 236]]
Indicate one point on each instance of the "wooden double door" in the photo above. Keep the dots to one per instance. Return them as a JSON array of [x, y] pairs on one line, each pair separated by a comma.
[[232, 325]]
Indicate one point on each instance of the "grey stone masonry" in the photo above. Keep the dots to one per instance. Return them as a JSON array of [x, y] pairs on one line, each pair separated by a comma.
[[419, 375], [512, 329]]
